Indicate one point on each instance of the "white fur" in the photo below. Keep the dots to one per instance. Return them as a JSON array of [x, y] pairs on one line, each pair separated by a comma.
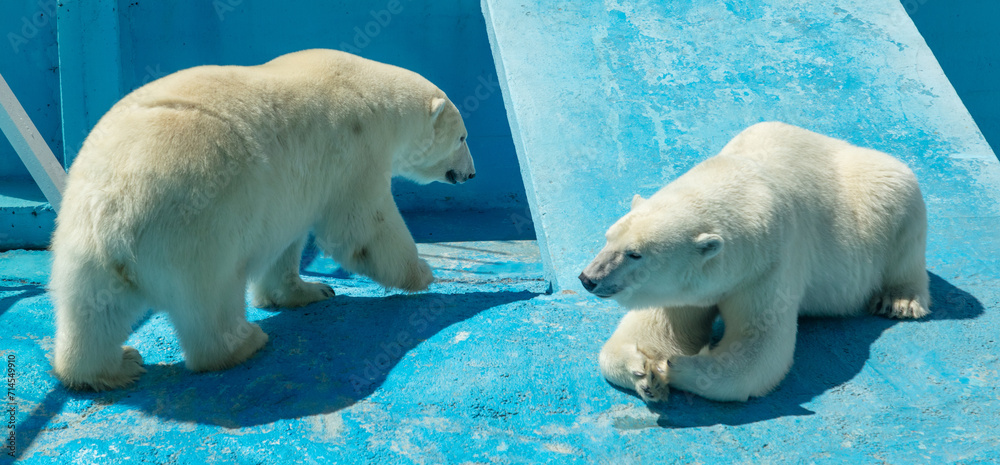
[[782, 222], [199, 183]]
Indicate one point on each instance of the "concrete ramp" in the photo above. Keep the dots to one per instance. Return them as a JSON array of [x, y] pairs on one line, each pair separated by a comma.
[[609, 99]]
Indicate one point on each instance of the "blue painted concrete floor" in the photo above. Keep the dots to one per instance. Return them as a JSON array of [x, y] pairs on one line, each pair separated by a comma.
[[486, 367]]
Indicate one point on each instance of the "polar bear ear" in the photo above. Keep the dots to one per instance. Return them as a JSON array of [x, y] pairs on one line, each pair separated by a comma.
[[709, 245], [637, 200], [437, 106]]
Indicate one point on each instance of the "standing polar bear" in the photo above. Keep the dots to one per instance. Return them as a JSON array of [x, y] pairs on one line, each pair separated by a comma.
[[783, 222], [211, 178]]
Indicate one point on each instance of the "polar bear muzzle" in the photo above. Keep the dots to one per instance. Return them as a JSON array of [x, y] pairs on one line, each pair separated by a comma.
[[454, 177], [603, 277], [463, 168]]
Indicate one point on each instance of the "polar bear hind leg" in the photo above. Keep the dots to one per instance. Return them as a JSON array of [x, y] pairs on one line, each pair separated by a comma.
[[282, 286], [95, 310]]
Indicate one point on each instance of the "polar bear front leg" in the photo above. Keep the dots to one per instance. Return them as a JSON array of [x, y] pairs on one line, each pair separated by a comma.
[[635, 356], [904, 292], [377, 244], [754, 355], [282, 286]]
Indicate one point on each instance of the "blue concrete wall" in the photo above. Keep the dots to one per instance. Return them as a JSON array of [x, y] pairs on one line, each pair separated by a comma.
[[29, 61], [110, 47], [964, 37]]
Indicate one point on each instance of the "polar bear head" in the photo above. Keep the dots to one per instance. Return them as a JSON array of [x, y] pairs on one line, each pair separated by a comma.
[[441, 153], [662, 253]]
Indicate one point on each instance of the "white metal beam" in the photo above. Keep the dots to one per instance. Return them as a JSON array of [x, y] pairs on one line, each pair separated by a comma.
[[31, 147]]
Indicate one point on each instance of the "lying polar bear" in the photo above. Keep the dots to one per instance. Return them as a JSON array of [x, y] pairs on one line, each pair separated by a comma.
[[783, 222], [211, 178]]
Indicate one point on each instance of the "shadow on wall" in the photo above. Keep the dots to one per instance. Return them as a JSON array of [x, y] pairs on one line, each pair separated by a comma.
[[320, 359], [829, 352]]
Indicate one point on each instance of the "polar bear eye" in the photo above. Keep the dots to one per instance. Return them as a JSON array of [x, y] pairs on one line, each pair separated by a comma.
[[633, 255], [461, 139]]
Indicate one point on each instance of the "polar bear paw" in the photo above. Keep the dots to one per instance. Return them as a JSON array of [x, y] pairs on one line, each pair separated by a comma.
[[131, 370], [652, 380], [239, 345], [125, 375], [419, 277], [894, 305], [299, 294]]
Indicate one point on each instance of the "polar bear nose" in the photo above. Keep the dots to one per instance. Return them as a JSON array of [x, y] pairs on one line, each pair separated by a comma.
[[587, 283], [454, 177]]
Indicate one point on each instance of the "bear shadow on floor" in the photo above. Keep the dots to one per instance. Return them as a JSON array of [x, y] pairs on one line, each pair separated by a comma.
[[22, 291], [320, 358], [829, 352]]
